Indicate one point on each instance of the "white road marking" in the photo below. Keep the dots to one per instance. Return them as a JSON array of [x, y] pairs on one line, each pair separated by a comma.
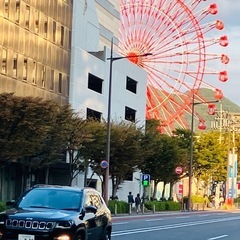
[[152, 220], [172, 226], [214, 238], [120, 223]]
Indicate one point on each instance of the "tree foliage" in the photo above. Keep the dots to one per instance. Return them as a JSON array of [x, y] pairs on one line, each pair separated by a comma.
[[162, 156], [37, 133], [125, 150], [210, 157]]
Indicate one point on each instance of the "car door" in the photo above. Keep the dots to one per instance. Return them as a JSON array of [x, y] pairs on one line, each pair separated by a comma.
[[97, 202], [90, 218]]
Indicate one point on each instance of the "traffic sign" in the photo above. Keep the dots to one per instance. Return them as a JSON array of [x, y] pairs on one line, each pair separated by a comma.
[[104, 164], [145, 180], [178, 170]]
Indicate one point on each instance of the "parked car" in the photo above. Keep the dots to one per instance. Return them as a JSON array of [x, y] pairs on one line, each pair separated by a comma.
[[57, 213]]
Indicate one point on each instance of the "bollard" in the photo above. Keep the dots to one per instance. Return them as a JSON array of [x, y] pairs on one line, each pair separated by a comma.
[[154, 208], [185, 207], [130, 209], [143, 208], [115, 209]]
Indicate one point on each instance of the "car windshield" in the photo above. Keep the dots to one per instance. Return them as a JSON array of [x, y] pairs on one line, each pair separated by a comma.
[[52, 198]]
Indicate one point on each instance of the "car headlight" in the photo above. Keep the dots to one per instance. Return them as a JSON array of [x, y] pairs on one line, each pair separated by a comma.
[[62, 237], [64, 224]]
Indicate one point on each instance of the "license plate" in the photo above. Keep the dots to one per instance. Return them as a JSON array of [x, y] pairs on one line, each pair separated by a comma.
[[25, 237]]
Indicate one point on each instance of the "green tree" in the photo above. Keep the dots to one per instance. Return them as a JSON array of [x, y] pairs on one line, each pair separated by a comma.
[[161, 156], [36, 133], [183, 137], [125, 151], [209, 158]]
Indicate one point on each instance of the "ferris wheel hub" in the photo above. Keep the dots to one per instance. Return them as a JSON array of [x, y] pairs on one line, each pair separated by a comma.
[[133, 57]]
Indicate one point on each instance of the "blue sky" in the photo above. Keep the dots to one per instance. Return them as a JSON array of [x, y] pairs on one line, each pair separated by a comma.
[[229, 13]]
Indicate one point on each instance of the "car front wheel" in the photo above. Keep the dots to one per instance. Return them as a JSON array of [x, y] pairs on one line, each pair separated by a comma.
[[107, 235], [80, 237]]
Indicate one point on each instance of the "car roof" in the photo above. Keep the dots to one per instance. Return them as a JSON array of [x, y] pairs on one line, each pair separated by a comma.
[[70, 188]]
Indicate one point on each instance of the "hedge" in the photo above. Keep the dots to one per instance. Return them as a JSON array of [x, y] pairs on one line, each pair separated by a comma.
[[2, 206], [163, 206], [122, 207]]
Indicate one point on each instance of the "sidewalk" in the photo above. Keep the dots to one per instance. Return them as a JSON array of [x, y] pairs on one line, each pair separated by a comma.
[[167, 213]]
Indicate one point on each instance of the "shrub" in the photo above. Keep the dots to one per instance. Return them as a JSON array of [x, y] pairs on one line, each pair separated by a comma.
[[173, 206], [122, 207], [163, 206], [195, 199], [2, 206]]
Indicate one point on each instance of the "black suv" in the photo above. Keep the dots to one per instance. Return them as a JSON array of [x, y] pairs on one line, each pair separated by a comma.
[[57, 213]]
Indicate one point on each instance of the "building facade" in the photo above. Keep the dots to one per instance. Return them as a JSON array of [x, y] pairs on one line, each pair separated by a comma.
[[60, 49], [35, 46], [35, 54], [95, 26]]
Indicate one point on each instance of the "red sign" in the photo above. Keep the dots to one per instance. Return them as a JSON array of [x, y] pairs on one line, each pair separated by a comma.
[[178, 170], [180, 188]]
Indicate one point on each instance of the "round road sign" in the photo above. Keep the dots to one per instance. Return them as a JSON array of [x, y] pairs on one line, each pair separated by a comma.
[[178, 170], [104, 164]]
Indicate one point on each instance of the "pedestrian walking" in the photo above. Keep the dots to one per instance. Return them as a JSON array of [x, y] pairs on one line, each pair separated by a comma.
[[130, 200], [137, 202]]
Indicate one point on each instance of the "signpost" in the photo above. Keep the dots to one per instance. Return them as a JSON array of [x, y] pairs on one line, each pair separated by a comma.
[[145, 180]]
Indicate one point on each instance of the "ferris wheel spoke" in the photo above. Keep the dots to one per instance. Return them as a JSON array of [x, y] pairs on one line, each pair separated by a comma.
[[177, 34]]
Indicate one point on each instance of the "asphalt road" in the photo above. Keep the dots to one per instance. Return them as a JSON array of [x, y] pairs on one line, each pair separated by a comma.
[[202, 225]]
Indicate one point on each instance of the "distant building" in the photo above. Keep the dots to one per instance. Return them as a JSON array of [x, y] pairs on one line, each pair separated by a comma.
[[35, 44]]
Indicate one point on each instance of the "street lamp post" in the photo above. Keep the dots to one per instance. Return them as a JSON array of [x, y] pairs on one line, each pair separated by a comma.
[[191, 149], [112, 59]]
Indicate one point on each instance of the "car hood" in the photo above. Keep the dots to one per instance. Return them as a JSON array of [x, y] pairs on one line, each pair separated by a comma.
[[39, 213]]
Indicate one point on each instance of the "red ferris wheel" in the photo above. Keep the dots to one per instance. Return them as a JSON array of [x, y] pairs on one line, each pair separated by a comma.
[[176, 32]]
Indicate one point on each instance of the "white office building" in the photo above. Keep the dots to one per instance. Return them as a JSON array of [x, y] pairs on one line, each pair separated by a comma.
[[95, 25]]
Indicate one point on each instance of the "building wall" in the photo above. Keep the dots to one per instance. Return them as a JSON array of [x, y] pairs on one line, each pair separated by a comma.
[[35, 44], [90, 53], [87, 58]]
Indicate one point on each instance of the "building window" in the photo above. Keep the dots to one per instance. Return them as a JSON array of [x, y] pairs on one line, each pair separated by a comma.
[[34, 73], [68, 85], [54, 31], [95, 83], [69, 40], [131, 85], [62, 36], [25, 67], [92, 114], [130, 114], [52, 80], [45, 26], [27, 16], [6, 8], [15, 62], [60, 83], [43, 76], [17, 11], [4, 61], [36, 21]]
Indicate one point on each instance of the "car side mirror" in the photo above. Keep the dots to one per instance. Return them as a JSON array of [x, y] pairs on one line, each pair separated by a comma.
[[91, 209], [82, 214]]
